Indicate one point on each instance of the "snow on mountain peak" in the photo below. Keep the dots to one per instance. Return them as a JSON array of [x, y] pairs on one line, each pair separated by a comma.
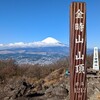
[[50, 40], [44, 43]]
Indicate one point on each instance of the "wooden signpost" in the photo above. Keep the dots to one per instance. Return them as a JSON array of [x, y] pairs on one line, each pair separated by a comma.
[[78, 88]]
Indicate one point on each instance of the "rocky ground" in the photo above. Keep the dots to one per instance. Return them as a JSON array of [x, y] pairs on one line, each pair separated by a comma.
[[53, 87]]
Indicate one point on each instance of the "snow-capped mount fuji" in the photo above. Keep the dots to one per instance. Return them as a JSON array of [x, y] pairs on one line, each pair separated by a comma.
[[41, 52], [48, 42], [51, 42]]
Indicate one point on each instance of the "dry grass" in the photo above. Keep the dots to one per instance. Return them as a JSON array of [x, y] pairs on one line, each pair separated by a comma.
[[9, 69]]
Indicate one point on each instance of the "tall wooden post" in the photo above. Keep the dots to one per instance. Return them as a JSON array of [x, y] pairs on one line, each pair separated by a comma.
[[78, 88]]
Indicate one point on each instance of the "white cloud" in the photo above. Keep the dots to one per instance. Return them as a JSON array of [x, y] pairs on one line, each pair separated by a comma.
[[18, 44], [44, 43], [1, 45]]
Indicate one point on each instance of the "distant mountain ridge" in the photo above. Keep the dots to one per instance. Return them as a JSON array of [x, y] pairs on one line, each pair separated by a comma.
[[49, 41], [39, 55], [42, 52], [46, 51]]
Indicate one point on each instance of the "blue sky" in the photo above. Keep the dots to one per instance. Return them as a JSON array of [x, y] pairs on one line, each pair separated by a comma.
[[34, 20]]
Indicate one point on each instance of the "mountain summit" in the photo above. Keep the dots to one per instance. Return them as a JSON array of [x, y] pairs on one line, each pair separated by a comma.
[[50, 40]]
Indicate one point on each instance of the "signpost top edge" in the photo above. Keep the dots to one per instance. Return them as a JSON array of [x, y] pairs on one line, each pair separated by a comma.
[[75, 3], [79, 2]]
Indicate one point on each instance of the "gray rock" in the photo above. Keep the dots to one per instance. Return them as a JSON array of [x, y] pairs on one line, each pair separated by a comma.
[[6, 98], [56, 93]]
